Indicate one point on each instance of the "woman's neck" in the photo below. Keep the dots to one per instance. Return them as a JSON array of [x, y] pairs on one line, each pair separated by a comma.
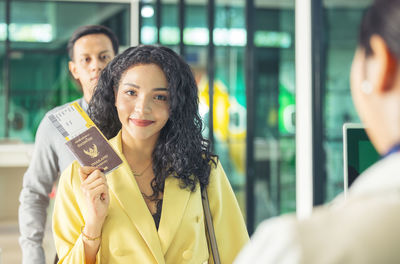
[[139, 150]]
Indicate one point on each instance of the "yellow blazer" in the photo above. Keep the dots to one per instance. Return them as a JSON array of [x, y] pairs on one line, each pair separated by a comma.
[[129, 234]]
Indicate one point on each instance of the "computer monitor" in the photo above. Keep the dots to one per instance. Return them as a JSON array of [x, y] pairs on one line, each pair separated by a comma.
[[358, 153]]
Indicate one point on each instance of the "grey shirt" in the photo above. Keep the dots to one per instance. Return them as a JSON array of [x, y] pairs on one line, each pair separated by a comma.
[[50, 158]]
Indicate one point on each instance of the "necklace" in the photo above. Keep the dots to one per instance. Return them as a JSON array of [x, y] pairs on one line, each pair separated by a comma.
[[141, 173]]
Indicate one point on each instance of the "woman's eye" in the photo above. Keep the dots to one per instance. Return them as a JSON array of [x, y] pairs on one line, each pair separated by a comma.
[[87, 59], [105, 57], [160, 97], [131, 93]]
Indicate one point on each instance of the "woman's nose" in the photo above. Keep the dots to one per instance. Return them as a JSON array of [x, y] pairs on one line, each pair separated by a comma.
[[142, 105]]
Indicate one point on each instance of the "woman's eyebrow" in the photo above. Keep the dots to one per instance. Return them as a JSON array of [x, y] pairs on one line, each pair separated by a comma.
[[160, 89], [132, 84], [138, 87]]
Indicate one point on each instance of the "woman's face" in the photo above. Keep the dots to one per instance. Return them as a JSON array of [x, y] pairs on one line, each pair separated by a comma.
[[142, 101], [371, 106]]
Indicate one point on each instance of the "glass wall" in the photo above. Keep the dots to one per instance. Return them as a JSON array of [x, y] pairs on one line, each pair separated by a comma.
[[341, 31], [169, 33], [148, 29], [274, 186], [229, 113], [39, 79], [2, 56], [274, 109], [38, 72]]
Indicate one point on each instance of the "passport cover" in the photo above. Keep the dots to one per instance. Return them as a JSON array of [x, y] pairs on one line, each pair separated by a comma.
[[92, 149]]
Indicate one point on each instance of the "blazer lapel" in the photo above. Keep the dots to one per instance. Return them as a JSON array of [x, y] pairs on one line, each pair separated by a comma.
[[175, 201], [124, 187]]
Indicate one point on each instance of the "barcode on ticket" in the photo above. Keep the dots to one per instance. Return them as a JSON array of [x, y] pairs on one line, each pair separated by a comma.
[[59, 127]]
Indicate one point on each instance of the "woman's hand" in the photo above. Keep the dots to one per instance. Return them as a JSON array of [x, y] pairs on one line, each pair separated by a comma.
[[95, 189]]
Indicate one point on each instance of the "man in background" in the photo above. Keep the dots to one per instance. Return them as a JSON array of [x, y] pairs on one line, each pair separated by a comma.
[[90, 49]]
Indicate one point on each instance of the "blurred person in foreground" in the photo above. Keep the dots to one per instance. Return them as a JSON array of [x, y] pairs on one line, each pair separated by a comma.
[[149, 209], [365, 228], [90, 48]]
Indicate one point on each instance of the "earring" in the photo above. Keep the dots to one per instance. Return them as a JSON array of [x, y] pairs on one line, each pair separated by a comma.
[[366, 87]]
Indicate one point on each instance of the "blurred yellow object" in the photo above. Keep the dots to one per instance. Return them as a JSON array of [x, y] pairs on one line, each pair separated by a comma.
[[234, 138]]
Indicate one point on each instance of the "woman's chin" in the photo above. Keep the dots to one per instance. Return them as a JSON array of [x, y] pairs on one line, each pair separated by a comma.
[[141, 135]]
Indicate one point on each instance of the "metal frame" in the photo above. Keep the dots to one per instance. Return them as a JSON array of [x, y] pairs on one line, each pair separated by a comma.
[[304, 100], [140, 22], [318, 91], [158, 20], [7, 70], [135, 23], [211, 69], [181, 22], [250, 113]]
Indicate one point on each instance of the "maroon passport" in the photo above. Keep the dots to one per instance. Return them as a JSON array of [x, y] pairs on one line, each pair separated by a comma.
[[91, 148]]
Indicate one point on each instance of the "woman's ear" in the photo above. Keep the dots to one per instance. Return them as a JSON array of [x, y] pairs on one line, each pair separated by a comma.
[[381, 66]]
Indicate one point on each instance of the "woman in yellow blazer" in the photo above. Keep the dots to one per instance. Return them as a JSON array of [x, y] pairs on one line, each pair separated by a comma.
[[147, 102]]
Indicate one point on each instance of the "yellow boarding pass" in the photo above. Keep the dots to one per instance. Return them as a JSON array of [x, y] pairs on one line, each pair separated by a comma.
[[84, 139]]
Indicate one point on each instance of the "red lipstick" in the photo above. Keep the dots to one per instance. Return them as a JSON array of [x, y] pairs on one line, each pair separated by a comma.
[[141, 122]]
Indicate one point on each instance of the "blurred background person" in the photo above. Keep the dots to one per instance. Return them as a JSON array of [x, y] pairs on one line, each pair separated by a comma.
[[90, 48], [365, 227]]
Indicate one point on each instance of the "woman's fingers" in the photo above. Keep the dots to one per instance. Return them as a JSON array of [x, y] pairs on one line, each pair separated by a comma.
[[97, 182], [92, 176], [85, 171], [100, 192], [95, 190], [93, 182]]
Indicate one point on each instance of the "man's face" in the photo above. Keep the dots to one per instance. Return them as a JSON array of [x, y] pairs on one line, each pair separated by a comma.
[[91, 54]]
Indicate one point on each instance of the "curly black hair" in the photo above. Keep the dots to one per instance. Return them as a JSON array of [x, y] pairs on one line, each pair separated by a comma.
[[181, 151]]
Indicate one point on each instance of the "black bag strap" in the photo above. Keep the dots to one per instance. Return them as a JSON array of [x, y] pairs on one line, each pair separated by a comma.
[[209, 226]]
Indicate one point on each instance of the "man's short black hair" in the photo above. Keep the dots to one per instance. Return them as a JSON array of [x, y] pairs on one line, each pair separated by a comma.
[[88, 30]]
